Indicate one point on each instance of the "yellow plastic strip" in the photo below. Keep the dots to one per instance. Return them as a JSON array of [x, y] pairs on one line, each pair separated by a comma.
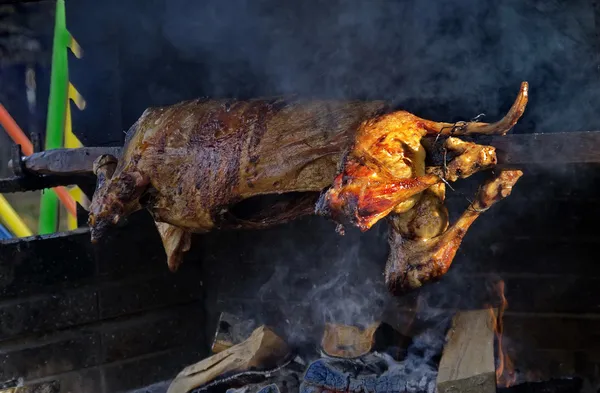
[[12, 220], [71, 141], [80, 197], [75, 48], [76, 97]]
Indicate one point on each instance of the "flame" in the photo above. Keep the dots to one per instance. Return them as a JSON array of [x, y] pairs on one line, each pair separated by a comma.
[[505, 370]]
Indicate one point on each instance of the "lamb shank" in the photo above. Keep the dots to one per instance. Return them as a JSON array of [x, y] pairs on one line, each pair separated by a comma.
[[203, 165], [384, 174]]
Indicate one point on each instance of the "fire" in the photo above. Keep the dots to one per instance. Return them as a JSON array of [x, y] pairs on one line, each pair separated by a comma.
[[505, 371]]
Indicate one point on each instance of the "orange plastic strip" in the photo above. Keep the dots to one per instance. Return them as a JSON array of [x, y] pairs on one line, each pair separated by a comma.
[[66, 199], [17, 135], [14, 131]]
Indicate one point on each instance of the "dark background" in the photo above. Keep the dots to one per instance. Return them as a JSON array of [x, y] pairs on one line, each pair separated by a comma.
[[441, 59], [445, 60]]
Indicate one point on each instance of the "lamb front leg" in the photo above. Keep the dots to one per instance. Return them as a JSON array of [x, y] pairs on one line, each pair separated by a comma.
[[414, 261], [118, 191], [176, 242], [469, 159]]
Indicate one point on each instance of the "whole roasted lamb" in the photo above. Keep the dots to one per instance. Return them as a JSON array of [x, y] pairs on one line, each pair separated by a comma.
[[195, 164]]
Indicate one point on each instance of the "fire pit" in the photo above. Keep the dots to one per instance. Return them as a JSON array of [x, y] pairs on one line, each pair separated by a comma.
[[376, 358], [111, 318]]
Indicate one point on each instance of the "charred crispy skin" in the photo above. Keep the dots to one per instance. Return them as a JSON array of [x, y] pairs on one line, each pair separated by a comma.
[[384, 171], [190, 163], [384, 174]]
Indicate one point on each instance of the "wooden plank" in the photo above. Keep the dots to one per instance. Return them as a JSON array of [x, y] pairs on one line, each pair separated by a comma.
[[467, 364]]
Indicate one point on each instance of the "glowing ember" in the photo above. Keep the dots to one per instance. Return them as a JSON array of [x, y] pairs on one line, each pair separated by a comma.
[[505, 371]]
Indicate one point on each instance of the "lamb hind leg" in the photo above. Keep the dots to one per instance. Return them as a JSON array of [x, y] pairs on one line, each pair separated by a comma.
[[501, 127], [412, 262]]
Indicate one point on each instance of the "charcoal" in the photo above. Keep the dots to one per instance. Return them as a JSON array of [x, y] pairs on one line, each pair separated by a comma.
[[373, 373]]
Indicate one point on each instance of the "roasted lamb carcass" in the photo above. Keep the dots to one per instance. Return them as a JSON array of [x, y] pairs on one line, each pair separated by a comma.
[[208, 164], [384, 174], [193, 165]]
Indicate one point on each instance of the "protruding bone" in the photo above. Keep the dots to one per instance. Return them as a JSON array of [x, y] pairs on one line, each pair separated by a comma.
[[500, 127]]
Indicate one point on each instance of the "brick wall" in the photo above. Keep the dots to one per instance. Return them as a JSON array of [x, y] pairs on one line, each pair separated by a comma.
[[110, 317], [98, 319], [541, 242]]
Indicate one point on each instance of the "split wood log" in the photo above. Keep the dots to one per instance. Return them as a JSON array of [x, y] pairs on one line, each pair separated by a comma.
[[262, 350], [349, 342], [231, 330], [467, 364]]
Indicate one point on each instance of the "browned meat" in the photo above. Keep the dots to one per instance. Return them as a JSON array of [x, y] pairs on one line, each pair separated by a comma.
[[191, 163], [384, 174], [424, 252], [211, 164], [384, 171]]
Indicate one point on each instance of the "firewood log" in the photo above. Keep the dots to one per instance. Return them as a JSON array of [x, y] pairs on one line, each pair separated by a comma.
[[467, 364], [262, 350], [231, 330], [348, 342]]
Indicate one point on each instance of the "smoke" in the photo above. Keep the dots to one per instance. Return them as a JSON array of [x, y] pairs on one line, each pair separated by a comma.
[[338, 281], [442, 59], [446, 60]]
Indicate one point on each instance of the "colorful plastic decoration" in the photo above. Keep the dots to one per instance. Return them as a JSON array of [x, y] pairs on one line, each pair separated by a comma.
[[57, 108], [10, 217]]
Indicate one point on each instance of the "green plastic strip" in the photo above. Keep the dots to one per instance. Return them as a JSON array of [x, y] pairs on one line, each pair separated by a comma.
[[57, 105]]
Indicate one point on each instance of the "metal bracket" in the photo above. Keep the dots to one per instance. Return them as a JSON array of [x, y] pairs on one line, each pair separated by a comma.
[[16, 162], [36, 141]]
